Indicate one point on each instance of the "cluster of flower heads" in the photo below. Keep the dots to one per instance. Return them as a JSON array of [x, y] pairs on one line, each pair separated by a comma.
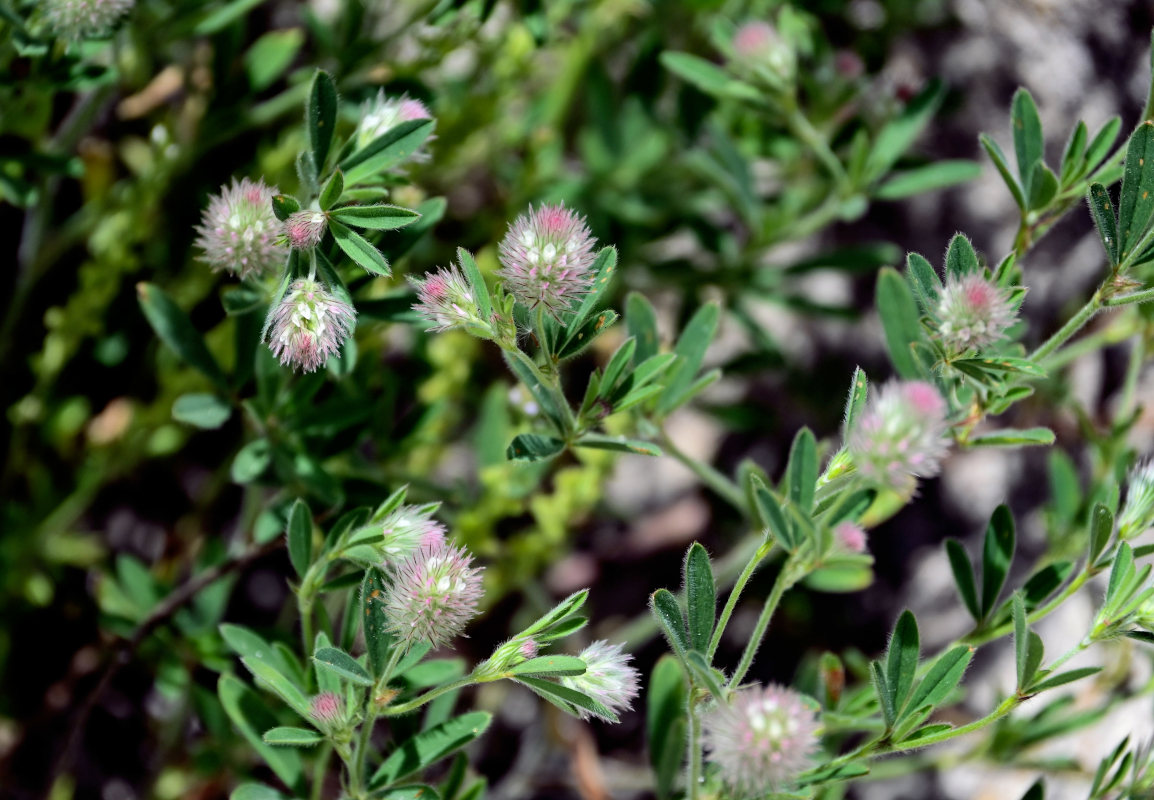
[[239, 233], [608, 678], [901, 435], [84, 19], [384, 113], [309, 325], [973, 312], [433, 592], [762, 740], [546, 258]]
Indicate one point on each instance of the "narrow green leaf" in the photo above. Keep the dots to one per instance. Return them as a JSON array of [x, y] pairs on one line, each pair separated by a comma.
[[1101, 529], [1120, 572], [706, 76], [1063, 678], [997, 553], [321, 118], [1136, 203], [533, 447], [672, 622], [292, 737], [342, 664], [1027, 130], [641, 322], [387, 150], [690, 350], [360, 250], [925, 281], [429, 747], [175, 329], [895, 138], [603, 269], [963, 577], [377, 217], [994, 151], [1035, 652], [1103, 213], [268, 676], [1021, 643], [943, 677], [665, 723], [706, 676], [701, 594], [619, 444], [206, 411], [801, 470], [961, 260], [1102, 142], [378, 640], [1074, 155], [333, 190], [1043, 187], [223, 16], [855, 401], [769, 510], [1013, 437], [568, 700], [252, 717], [901, 322], [556, 665], [1044, 583], [300, 537], [476, 282], [884, 693], [938, 175], [902, 660]]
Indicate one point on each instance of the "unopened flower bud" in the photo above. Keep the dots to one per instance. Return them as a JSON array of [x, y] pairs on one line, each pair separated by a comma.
[[408, 529], [432, 594], [608, 678], [900, 436], [305, 229], [762, 740], [546, 258], [84, 19], [973, 312], [239, 232], [850, 536], [529, 649], [384, 113], [310, 325], [759, 46], [327, 709], [445, 300], [1138, 511]]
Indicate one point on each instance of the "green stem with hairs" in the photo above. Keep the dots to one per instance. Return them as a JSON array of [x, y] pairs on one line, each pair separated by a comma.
[[785, 579], [731, 603], [710, 476]]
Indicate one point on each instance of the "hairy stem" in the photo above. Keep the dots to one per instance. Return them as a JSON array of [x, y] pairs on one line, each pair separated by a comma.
[[785, 579], [731, 603]]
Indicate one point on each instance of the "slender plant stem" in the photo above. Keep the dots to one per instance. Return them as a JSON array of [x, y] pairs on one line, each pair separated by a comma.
[[1133, 373], [731, 602], [552, 385], [800, 125], [1035, 615], [693, 773], [1072, 326], [785, 579], [1144, 296], [433, 694], [711, 477], [320, 769]]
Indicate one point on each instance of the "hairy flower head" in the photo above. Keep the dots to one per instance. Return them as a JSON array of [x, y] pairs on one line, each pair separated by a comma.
[[758, 46], [239, 233], [410, 528], [445, 300], [327, 709], [432, 594], [309, 325], [762, 740], [384, 113], [1138, 511], [546, 258], [973, 312], [305, 229], [850, 536], [84, 19], [608, 678], [900, 435]]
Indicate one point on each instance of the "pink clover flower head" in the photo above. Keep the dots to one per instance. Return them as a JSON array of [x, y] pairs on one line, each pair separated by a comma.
[[528, 649], [239, 232], [973, 312], [327, 709], [410, 528], [546, 258], [432, 594], [850, 536], [305, 229], [445, 299], [310, 325], [762, 740], [384, 113], [901, 435], [608, 679], [1137, 512], [84, 19], [755, 40]]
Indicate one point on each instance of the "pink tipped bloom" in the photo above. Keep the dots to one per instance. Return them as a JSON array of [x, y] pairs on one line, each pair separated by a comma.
[[546, 258], [900, 437], [84, 19], [305, 229], [445, 300], [973, 312], [432, 594], [327, 709], [755, 39], [384, 113], [239, 233], [762, 740], [608, 679], [850, 537], [309, 325], [528, 649], [410, 528]]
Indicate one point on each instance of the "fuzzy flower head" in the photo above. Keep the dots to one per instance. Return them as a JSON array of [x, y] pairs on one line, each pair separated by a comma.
[[84, 19], [309, 325], [546, 258], [445, 300], [327, 710], [757, 44], [900, 436], [384, 113], [973, 312], [850, 536], [410, 528], [608, 679], [239, 233], [1138, 511], [763, 740], [432, 594], [305, 229]]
